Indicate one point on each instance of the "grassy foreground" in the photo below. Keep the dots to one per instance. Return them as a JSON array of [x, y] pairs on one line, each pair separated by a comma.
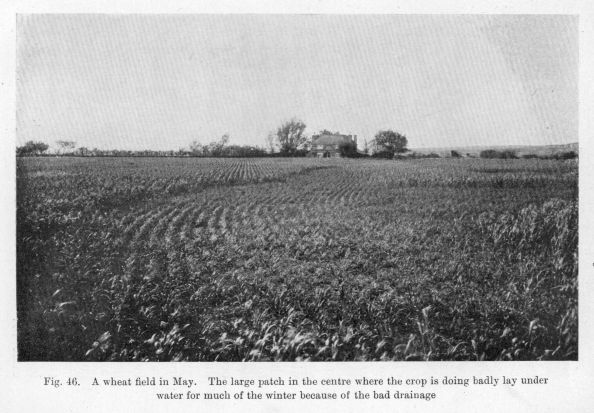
[[296, 259]]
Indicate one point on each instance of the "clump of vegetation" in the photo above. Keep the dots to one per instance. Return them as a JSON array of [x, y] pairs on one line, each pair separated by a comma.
[[493, 154], [390, 143], [545, 236], [348, 149], [560, 156], [418, 155], [296, 259], [291, 137], [383, 155], [32, 148]]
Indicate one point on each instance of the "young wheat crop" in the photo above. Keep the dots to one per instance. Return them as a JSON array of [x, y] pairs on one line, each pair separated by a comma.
[[296, 259]]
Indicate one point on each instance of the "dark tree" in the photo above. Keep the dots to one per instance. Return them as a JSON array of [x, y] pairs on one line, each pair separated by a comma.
[[391, 142], [290, 136], [347, 149], [32, 149], [567, 155]]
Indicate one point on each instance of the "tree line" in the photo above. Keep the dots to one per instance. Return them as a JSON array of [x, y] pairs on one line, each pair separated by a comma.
[[215, 149], [288, 140]]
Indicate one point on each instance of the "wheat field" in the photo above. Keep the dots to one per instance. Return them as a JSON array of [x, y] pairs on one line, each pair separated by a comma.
[[296, 259]]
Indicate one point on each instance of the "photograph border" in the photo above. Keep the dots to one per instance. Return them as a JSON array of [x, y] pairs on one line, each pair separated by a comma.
[[570, 381]]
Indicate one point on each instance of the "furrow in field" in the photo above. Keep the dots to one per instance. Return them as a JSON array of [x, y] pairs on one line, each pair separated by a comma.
[[150, 222], [132, 228], [138, 262], [157, 235], [222, 223], [258, 220], [173, 229], [200, 224], [213, 221], [270, 215], [345, 194], [337, 193], [187, 230], [248, 217], [353, 195], [240, 217]]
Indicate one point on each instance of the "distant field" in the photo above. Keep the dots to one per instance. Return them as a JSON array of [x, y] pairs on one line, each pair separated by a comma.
[[293, 259], [538, 150]]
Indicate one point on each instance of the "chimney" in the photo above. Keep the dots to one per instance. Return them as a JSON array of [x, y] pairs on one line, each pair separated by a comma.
[[355, 139]]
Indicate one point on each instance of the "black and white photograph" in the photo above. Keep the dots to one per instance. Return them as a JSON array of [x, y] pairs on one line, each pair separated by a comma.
[[288, 188]]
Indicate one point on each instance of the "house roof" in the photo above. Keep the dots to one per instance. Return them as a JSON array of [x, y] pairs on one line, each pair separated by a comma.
[[330, 139]]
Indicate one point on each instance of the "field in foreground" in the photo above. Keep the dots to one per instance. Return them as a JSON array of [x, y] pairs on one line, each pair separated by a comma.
[[296, 259]]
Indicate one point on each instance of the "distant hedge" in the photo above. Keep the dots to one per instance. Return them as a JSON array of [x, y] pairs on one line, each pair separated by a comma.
[[557, 156], [564, 155], [493, 154], [383, 155]]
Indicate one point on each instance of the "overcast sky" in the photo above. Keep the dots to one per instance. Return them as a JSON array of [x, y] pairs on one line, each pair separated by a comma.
[[162, 81]]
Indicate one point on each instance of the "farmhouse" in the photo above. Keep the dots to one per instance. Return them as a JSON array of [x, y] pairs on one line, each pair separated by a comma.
[[328, 145]]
